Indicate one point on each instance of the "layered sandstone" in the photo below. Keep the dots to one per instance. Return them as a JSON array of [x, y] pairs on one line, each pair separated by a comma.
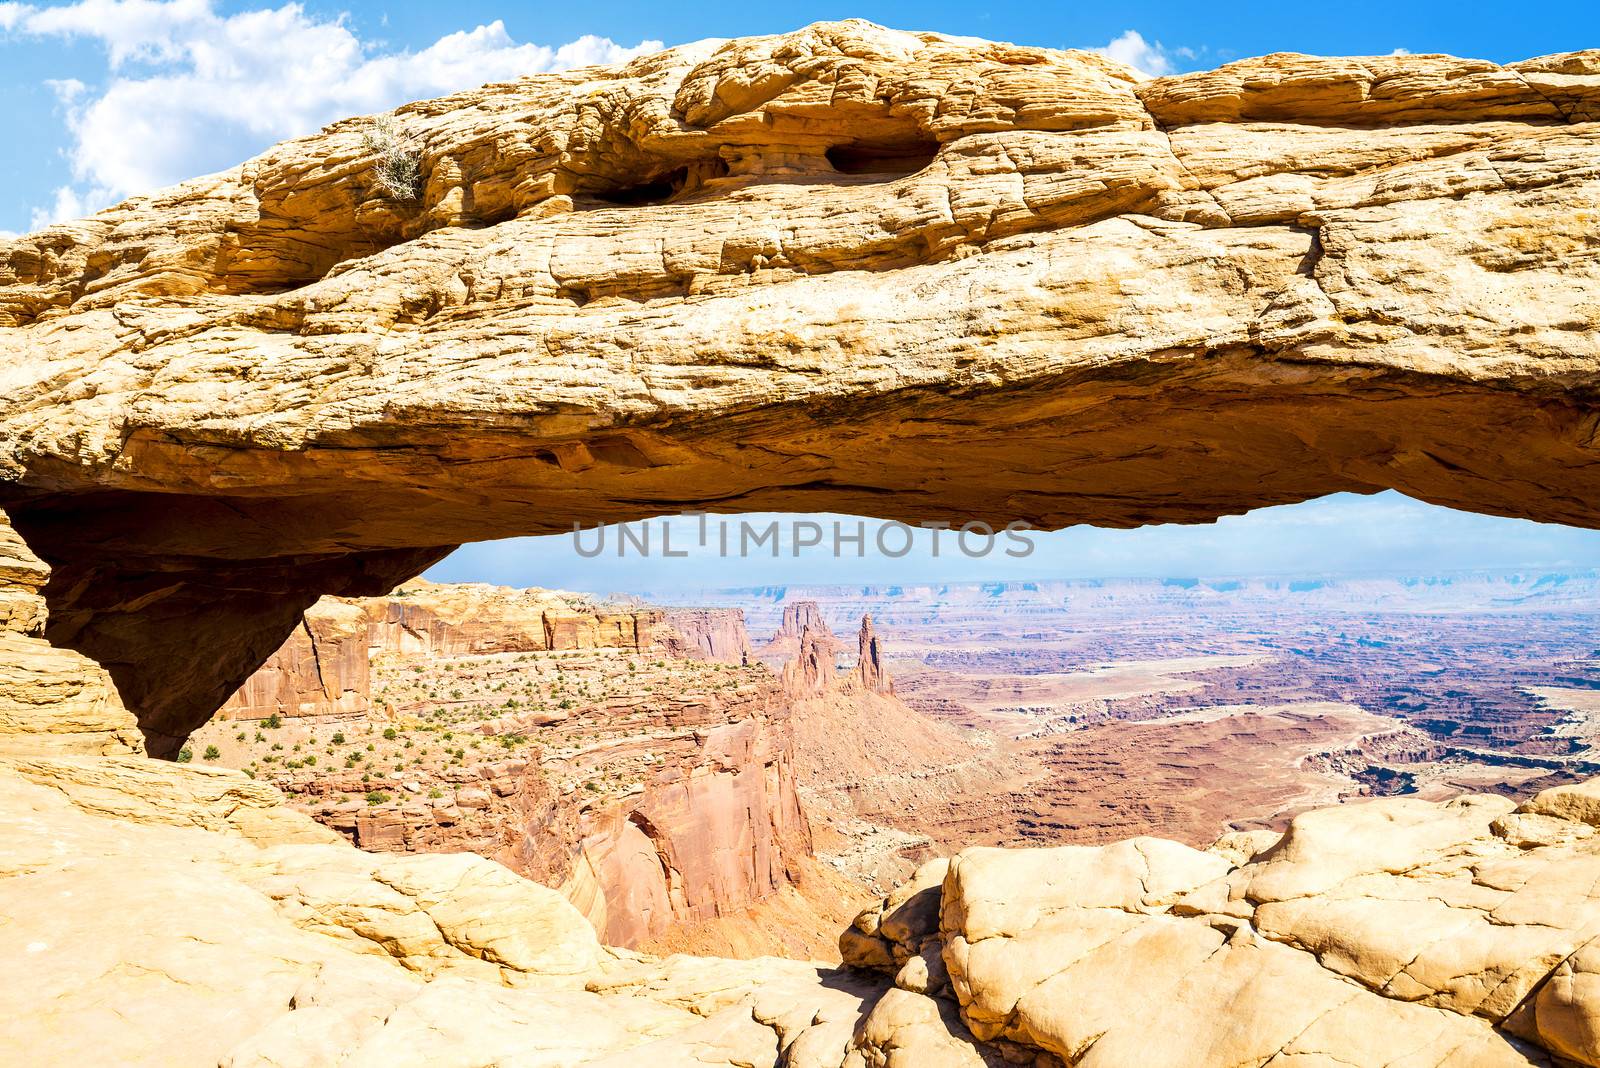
[[320, 670], [52, 700], [450, 619], [613, 753], [715, 634], [799, 619], [845, 269], [869, 675], [1391, 933]]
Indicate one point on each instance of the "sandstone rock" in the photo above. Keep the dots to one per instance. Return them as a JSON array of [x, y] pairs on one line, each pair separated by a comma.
[[238, 953], [908, 1030], [714, 634], [845, 269], [140, 791], [1131, 301], [157, 941], [1241, 847], [811, 672], [869, 674], [1529, 830], [714, 833], [798, 617], [664, 799], [1046, 946], [1579, 803], [321, 670], [52, 700], [889, 934]]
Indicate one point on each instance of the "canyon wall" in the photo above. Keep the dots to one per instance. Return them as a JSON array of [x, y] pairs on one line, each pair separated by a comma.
[[661, 794], [716, 634], [321, 670]]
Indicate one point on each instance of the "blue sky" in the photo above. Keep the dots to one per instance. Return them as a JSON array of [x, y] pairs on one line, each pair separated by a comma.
[[1341, 534], [109, 97], [106, 98]]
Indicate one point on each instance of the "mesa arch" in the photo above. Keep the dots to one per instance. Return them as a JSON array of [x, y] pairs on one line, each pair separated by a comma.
[[844, 269]]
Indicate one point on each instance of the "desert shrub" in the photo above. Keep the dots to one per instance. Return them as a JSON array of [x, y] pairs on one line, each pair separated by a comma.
[[376, 797], [389, 734], [185, 755], [212, 752], [398, 170], [272, 722]]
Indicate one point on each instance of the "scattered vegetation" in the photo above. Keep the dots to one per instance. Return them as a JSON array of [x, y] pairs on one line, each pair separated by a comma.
[[398, 170]]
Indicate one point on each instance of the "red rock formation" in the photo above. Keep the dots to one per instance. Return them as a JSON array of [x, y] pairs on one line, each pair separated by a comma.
[[321, 670], [811, 672], [703, 841], [714, 634], [869, 673], [798, 617], [663, 791]]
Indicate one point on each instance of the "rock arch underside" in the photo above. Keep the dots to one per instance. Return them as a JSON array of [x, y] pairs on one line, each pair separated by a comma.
[[845, 269]]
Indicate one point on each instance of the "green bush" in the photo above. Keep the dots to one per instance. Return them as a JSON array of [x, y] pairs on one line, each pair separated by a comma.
[[338, 738], [390, 734], [185, 755], [212, 752], [376, 797], [272, 722]]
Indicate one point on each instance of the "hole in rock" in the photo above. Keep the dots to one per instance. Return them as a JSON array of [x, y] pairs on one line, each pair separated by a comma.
[[661, 188], [893, 158]]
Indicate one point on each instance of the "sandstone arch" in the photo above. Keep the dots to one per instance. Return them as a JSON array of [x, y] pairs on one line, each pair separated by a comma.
[[1100, 299]]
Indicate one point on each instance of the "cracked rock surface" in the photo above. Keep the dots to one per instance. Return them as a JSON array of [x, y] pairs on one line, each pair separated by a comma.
[[165, 914], [845, 269]]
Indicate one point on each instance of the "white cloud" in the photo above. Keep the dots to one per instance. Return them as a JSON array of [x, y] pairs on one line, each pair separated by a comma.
[[71, 204], [191, 91], [66, 89], [1152, 59]]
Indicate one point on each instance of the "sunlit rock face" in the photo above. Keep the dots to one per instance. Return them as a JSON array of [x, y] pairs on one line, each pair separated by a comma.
[[843, 269], [1395, 933]]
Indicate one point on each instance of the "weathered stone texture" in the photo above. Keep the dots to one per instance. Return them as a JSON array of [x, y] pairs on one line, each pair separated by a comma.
[[844, 269]]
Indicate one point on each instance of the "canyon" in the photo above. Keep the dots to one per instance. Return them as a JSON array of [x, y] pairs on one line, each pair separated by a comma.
[[844, 269], [630, 756], [600, 751]]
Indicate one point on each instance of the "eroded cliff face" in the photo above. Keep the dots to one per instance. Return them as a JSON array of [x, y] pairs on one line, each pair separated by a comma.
[[714, 634], [1394, 933], [594, 748], [845, 269], [52, 700], [320, 670]]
